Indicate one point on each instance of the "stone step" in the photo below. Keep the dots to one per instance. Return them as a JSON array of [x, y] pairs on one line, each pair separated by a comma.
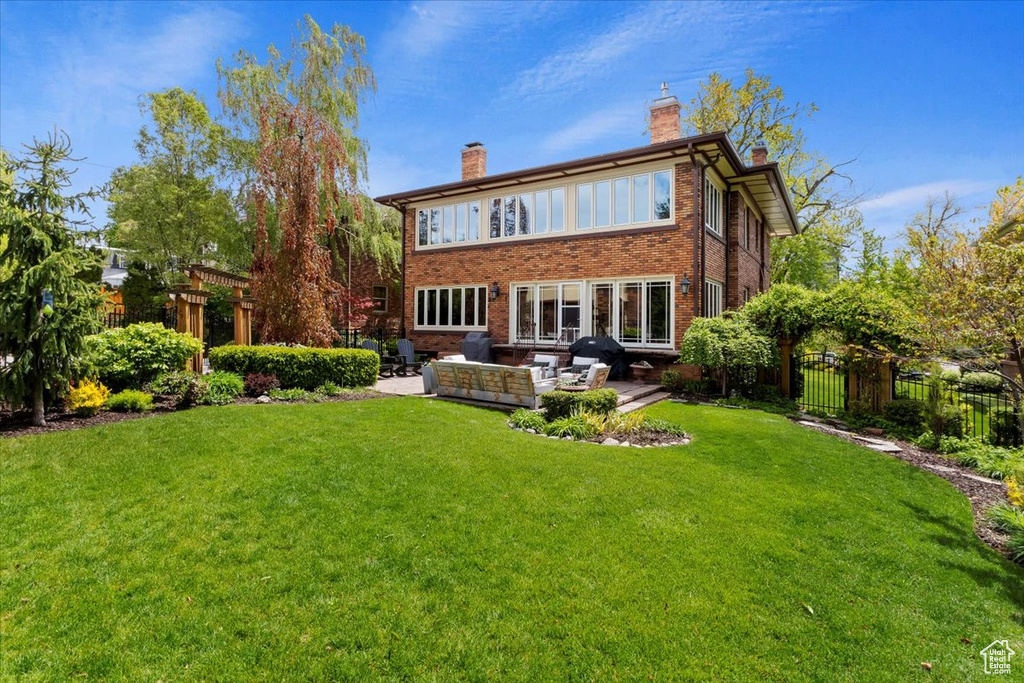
[[644, 401], [637, 392]]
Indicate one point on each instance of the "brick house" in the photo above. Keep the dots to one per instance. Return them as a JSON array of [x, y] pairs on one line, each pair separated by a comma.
[[632, 244]]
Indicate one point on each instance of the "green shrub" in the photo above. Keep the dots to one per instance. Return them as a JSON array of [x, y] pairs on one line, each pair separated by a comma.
[[130, 401], [329, 389], [950, 375], [300, 368], [1006, 518], [558, 404], [983, 381], [992, 461], [672, 380], [573, 425], [654, 424], [523, 418], [294, 394], [1004, 429], [905, 412], [133, 355], [186, 388], [782, 406], [224, 387]]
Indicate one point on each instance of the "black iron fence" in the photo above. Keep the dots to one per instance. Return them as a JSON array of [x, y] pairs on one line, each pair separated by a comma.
[[386, 338], [819, 381], [979, 404], [123, 316]]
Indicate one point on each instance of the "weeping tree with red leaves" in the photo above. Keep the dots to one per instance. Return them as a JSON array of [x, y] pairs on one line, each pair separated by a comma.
[[304, 178]]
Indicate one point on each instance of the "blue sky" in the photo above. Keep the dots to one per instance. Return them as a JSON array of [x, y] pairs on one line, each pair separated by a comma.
[[929, 97]]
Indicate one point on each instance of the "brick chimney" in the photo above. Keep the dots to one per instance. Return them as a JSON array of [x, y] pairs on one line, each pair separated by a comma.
[[474, 161], [664, 117], [759, 154]]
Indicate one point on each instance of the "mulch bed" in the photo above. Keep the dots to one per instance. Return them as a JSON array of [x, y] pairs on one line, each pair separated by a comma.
[[982, 494], [19, 423]]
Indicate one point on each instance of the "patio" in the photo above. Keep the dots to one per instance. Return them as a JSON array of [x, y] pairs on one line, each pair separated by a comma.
[[632, 396]]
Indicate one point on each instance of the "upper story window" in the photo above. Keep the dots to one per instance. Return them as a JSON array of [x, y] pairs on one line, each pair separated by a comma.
[[639, 198], [712, 206], [450, 224], [532, 213]]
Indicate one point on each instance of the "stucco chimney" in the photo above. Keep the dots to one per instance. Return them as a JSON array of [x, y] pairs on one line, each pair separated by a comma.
[[474, 161], [664, 117], [759, 154]]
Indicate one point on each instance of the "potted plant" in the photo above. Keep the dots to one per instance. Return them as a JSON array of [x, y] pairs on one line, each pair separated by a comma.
[[643, 371]]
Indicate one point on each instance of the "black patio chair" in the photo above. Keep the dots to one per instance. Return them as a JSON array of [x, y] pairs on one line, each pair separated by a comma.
[[409, 359], [387, 363]]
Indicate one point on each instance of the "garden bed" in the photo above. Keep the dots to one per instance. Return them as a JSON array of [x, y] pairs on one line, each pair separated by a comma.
[[19, 423]]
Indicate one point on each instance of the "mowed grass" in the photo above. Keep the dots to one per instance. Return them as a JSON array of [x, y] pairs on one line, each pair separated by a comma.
[[414, 539]]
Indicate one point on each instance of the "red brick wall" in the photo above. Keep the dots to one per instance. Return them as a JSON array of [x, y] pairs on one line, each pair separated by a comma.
[[365, 275], [744, 264], [657, 251]]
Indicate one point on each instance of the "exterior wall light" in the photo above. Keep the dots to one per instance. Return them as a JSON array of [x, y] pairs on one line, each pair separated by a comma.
[[684, 285], [495, 291]]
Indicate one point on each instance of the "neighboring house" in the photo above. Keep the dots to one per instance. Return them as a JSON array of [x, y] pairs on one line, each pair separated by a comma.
[[633, 244]]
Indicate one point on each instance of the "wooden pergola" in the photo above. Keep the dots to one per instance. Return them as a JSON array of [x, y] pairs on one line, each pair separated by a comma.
[[191, 299]]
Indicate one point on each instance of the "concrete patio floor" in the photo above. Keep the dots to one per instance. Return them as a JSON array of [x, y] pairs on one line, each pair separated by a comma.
[[632, 396]]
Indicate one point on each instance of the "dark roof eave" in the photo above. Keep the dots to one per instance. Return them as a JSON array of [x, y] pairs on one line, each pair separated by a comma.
[[401, 199]]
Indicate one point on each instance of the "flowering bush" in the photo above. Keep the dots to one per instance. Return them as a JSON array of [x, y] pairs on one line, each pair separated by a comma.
[[87, 398]]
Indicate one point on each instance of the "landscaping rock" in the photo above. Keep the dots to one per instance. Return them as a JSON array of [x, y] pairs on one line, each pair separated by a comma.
[[625, 443], [874, 431], [264, 399], [531, 431], [610, 442], [566, 438]]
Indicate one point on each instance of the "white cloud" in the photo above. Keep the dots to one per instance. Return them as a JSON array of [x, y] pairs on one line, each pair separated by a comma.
[[913, 197], [98, 72], [600, 124]]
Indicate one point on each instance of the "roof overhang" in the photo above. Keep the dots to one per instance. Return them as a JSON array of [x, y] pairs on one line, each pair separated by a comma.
[[764, 182]]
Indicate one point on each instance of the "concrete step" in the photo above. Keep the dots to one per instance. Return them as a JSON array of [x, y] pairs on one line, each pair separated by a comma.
[[636, 392], [642, 402]]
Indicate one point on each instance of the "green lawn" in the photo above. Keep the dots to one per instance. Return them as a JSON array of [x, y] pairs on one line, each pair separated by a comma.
[[411, 539], [980, 405], [823, 390]]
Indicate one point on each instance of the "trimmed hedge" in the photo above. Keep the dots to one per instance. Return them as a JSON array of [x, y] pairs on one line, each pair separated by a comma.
[[301, 368], [558, 404]]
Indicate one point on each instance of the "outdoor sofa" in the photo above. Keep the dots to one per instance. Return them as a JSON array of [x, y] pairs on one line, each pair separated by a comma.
[[490, 382]]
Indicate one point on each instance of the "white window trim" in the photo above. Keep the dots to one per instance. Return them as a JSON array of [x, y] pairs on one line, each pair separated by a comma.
[[441, 244], [630, 224], [709, 178], [586, 305], [713, 306], [449, 328]]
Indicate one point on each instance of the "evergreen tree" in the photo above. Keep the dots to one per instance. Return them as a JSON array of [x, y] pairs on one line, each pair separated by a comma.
[[48, 305]]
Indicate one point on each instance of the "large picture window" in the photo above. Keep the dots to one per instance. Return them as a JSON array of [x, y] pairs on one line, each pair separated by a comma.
[[451, 307], [533, 213], [635, 312], [449, 224], [641, 198]]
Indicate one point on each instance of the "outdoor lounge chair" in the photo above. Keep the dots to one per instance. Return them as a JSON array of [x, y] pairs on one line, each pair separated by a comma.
[[549, 364], [408, 356], [387, 363], [595, 378], [580, 365]]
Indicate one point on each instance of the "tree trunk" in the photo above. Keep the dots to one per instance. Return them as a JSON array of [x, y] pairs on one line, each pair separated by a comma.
[[38, 406]]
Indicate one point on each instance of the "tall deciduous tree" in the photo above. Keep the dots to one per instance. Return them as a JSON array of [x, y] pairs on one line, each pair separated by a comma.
[[972, 285], [302, 178], [325, 73], [47, 303], [169, 208], [756, 111]]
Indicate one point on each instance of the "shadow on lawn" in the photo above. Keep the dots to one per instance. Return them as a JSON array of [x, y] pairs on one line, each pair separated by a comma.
[[1011, 582]]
